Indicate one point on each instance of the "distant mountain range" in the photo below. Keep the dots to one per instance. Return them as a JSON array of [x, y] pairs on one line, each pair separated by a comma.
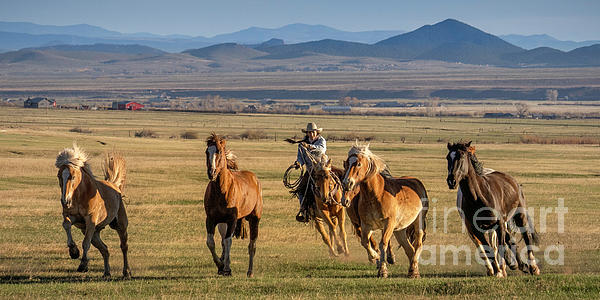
[[448, 41], [18, 35], [544, 40]]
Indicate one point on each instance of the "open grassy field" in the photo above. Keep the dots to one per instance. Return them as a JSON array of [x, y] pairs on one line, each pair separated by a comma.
[[165, 188]]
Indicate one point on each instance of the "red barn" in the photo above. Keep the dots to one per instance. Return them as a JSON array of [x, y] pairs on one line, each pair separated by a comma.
[[126, 105]]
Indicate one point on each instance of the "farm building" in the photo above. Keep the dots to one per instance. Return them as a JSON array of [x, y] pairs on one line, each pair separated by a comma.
[[126, 105], [39, 102], [336, 108]]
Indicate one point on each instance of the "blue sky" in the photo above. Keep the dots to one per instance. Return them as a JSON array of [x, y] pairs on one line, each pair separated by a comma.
[[563, 19]]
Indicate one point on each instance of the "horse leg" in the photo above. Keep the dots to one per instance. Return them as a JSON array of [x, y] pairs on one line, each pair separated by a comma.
[[321, 229], [253, 223], [510, 256], [73, 250], [523, 223], [222, 227], [386, 234], [391, 257], [226, 244], [409, 250], [366, 241], [210, 243], [88, 232], [418, 247], [342, 224], [122, 224], [502, 234], [481, 243], [99, 244], [332, 223], [494, 243]]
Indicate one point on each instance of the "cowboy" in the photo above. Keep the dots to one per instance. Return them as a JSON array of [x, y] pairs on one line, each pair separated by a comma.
[[316, 145]]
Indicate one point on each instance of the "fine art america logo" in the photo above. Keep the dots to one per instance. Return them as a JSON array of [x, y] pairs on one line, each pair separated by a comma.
[[553, 254]]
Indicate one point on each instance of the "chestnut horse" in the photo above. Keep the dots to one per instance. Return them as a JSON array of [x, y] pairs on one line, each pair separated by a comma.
[[91, 204], [487, 201], [230, 197], [394, 205], [327, 190]]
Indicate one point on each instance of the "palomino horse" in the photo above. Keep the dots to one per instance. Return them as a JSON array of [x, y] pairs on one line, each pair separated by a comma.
[[230, 197], [90, 204], [487, 202], [328, 210], [394, 205]]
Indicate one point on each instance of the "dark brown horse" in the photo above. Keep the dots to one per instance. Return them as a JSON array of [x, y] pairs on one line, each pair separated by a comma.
[[487, 201], [394, 205], [91, 204], [231, 196]]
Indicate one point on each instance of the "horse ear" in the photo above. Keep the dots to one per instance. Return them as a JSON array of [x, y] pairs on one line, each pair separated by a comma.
[[367, 147], [449, 146], [328, 164], [471, 149], [469, 144]]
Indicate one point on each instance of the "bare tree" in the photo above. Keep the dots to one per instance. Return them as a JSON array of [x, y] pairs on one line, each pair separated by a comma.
[[551, 95], [522, 110]]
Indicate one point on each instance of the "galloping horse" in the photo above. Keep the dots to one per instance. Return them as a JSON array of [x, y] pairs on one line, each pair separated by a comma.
[[487, 201], [394, 205], [328, 194], [90, 204], [230, 197]]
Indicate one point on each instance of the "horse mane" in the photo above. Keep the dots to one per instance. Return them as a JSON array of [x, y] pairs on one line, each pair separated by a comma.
[[376, 163], [214, 139], [75, 157], [466, 146]]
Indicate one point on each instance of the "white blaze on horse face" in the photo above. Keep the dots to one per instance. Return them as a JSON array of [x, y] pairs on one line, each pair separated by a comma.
[[211, 156]]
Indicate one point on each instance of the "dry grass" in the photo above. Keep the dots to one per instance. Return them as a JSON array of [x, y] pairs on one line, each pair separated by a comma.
[[167, 178], [574, 140]]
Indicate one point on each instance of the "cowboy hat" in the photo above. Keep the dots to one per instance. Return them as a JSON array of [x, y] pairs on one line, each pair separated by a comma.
[[312, 127]]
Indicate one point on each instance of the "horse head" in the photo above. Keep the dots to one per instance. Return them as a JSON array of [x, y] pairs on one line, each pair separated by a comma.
[[216, 156], [70, 163], [360, 164], [459, 156], [326, 186]]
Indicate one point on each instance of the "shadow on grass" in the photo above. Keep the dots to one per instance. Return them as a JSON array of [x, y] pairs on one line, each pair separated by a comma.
[[24, 279]]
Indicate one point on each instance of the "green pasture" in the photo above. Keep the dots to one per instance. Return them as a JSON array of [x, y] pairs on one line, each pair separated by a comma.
[[165, 188]]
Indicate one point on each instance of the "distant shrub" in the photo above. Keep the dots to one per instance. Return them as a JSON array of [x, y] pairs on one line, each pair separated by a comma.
[[534, 139], [189, 135], [145, 133], [253, 135], [349, 137], [80, 130]]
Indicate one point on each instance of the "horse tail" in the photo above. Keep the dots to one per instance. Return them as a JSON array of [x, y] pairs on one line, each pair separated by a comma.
[[114, 170], [241, 229]]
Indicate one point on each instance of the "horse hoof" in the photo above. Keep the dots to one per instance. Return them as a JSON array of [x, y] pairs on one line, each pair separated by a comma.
[[499, 275], [126, 274], [82, 268], [382, 275], [414, 275], [106, 275], [490, 273], [250, 274], [74, 252], [391, 260], [534, 270]]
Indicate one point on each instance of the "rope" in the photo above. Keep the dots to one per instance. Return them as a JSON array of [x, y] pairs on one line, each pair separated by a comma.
[[286, 178]]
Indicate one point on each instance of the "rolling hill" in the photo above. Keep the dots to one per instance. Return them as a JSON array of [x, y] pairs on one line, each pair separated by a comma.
[[449, 41]]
